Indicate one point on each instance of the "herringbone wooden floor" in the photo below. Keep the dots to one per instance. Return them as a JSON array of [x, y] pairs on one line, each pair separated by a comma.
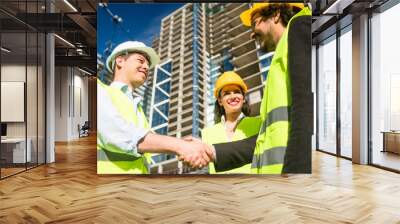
[[69, 191]]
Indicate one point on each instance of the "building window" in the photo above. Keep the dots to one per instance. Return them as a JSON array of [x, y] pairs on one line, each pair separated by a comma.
[[327, 95], [160, 96], [164, 108], [157, 119], [162, 131], [161, 76], [385, 88], [22, 88], [346, 93]]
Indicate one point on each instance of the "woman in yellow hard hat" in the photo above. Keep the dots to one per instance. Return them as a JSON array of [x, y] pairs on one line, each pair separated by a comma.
[[231, 121]]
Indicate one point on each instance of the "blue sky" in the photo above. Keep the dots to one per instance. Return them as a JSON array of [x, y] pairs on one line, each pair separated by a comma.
[[141, 21]]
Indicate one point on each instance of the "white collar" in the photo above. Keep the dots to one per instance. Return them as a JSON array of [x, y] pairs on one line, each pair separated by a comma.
[[122, 86], [125, 89], [241, 116]]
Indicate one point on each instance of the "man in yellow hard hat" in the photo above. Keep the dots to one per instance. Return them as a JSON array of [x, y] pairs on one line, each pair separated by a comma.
[[283, 144], [269, 21], [124, 138]]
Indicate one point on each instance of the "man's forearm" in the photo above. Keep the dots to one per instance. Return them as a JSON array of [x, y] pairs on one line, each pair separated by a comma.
[[234, 154], [154, 143], [196, 153]]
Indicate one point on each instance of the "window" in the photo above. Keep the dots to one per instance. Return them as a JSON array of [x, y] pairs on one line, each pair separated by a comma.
[[22, 64], [160, 96], [167, 67], [385, 86], [166, 87], [327, 95], [161, 75], [346, 92], [157, 119]]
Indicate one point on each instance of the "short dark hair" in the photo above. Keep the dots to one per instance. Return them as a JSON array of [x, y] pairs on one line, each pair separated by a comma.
[[219, 110], [286, 12]]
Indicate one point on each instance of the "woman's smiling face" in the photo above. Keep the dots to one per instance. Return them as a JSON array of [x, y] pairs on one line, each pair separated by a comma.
[[231, 98]]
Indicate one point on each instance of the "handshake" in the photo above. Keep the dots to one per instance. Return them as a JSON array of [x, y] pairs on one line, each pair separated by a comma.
[[196, 153]]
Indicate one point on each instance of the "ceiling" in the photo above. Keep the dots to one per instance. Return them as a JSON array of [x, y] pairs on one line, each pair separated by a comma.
[[332, 15], [74, 22]]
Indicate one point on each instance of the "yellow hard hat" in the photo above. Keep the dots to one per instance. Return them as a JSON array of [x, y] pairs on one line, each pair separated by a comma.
[[229, 78], [246, 15]]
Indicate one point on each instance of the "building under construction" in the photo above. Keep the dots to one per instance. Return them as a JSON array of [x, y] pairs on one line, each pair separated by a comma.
[[198, 42]]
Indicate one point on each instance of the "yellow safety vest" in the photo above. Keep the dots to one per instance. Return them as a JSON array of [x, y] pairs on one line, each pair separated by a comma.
[[110, 158], [247, 127], [274, 111]]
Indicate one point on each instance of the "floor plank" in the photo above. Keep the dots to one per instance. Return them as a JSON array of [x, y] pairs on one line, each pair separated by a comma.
[[70, 191]]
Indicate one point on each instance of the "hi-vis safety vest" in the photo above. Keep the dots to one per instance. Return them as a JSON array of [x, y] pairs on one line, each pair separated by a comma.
[[110, 158], [247, 127], [274, 111]]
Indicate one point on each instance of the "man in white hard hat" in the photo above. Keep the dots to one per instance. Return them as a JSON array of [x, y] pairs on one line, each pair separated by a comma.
[[124, 138]]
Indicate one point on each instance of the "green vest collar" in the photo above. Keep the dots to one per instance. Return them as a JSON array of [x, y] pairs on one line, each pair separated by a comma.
[[304, 12]]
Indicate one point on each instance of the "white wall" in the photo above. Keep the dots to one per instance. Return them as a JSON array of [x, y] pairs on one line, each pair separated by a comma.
[[61, 103], [16, 73], [71, 102], [12, 73], [33, 126], [80, 110]]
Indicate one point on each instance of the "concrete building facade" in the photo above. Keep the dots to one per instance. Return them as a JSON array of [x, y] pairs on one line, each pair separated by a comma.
[[231, 48], [182, 41], [202, 41]]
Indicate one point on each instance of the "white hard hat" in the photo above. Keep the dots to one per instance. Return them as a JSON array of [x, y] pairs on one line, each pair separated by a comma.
[[130, 47]]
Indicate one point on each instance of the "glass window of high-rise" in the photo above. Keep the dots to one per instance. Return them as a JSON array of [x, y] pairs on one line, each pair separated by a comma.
[[160, 103], [385, 89]]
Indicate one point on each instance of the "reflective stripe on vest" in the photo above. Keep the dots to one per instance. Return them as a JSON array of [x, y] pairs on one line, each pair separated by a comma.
[[277, 114], [247, 127], [274, 111], [273, 157], [110, 158]]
